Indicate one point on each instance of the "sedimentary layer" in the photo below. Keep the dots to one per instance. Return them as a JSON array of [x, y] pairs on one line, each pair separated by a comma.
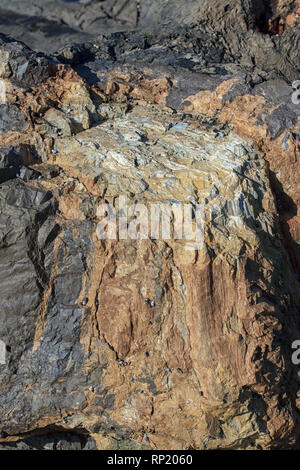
[[145, 343]]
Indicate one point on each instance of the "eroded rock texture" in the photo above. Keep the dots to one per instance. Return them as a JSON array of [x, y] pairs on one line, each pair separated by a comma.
[[138, 344]]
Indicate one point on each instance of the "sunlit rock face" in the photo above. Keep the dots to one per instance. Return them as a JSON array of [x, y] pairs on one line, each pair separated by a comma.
[[120, 333]]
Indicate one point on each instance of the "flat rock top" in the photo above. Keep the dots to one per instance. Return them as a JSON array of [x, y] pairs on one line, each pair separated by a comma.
[[152, 157]]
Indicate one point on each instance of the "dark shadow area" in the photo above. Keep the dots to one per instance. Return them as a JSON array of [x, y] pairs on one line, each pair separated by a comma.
[[267, 21], [287, 209], [38, 32], [51, 438]]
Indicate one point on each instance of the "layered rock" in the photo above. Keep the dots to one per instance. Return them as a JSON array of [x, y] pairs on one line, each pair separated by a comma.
[[46, 25], [145, 343]]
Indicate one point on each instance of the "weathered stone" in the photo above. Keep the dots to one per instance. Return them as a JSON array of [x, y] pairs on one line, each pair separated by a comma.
[[12, 160], [143, 343], [20, 64], [11, 119]]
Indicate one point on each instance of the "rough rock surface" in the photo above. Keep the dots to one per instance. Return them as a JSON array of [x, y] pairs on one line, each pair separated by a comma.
[[45, 25], [143, 343]]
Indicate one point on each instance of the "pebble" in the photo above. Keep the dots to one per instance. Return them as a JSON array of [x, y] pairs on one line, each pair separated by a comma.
[[180, 126], [240, 150]]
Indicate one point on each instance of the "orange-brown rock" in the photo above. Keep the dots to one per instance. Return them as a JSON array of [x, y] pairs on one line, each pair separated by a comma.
[[147, 343]]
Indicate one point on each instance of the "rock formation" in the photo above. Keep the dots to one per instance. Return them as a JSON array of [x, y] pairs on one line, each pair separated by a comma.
[[145, 344]]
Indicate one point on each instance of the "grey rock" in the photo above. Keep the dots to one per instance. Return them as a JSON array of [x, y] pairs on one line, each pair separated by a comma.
[[11, 118]]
